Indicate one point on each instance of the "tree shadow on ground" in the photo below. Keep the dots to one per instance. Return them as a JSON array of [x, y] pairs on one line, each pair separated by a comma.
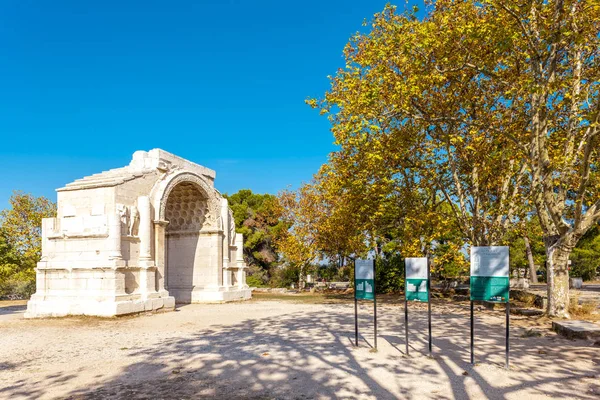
[[8, 310], [311, 355]]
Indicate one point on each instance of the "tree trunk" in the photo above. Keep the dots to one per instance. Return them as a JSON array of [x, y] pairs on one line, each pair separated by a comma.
[[557, 273], [532, 271], [301, 278]]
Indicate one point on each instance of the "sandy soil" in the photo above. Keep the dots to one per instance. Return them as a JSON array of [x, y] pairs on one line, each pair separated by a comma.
[[267, 349]]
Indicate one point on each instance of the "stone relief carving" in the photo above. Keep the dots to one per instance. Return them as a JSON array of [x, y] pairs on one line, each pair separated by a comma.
[[130, 219], [231, 227], [167, 166], [134, 221], [124, 214], [212, 215]]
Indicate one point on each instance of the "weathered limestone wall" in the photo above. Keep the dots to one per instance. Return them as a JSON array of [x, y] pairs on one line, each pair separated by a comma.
[[136, 238]]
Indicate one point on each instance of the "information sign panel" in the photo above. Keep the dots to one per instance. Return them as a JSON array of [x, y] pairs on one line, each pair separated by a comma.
[[364, 279], [489, 274], [417, 277]]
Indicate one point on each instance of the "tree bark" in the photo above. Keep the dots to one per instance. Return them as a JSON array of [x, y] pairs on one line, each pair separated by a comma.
[[557, 272], [532, 271], [301, 279]]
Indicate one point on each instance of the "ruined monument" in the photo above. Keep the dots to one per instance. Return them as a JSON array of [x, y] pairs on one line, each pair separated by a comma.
[[139, 238]]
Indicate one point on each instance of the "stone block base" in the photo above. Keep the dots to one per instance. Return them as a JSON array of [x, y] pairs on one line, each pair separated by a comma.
[[206, 296], [577, 329], [217, 295], [39, 307]]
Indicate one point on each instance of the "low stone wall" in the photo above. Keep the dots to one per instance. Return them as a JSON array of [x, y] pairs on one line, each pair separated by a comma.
[[519, 283], [271, 290], [575, 283], [577, 329], [530, 298]]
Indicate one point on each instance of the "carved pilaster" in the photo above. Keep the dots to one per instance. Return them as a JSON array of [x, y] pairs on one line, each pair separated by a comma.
[[114, 236], [160, 254], [226, 276], [239, 260], [225, 226], [145, 231], [239, 251]]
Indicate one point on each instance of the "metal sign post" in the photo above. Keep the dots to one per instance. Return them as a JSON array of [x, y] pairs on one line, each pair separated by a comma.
[[507, 332], [417, 288], [355, 320], [429, 306], [490, 282], [374, 313], [364, 288], [406, 323], [472, 345]]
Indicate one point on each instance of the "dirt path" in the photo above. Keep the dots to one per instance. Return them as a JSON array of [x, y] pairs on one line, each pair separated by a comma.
[[279, 349]]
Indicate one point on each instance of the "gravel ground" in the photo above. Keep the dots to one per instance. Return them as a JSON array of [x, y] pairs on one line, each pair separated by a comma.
[[271, 349]]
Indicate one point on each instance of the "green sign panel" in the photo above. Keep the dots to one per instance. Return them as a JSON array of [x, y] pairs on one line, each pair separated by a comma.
[[490, 288], [489, 274], [364, 280], [417, 277], [365, 289], [416, 290]]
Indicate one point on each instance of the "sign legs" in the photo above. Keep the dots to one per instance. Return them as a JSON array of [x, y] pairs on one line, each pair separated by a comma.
[[507, 331], [472, 354], [375, 319], [507, 351], [355, 322], [429, 323], [429, 307], [406, 324]]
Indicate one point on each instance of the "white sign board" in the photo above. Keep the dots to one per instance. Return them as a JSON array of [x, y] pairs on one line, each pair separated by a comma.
[[363, 269], [416, 268], [489, 261]]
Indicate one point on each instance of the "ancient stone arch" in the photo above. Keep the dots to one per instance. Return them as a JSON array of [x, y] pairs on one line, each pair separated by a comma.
[[107, 251]]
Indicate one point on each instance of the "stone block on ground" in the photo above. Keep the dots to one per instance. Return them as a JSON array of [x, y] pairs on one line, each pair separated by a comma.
[[575, 283], [519, 283], [528, 312], [577, 329]]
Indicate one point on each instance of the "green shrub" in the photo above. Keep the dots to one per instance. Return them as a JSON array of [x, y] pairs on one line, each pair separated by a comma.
[[332, 272], [585, 259], [389, 273], [256, 276], [254, 281], [18, 286], [284, 276]]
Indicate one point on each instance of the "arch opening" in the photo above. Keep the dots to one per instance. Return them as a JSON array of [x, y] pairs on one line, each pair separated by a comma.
[[185, 210]]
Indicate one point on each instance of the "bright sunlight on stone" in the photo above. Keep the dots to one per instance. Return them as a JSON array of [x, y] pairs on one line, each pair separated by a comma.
[[139, 238]]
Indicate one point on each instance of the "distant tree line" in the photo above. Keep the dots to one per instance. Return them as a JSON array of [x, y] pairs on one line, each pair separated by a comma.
[[21, 243], [278, 256]]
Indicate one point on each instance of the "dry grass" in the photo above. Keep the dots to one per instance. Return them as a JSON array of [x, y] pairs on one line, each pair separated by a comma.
[[587, 310], [529, 301], [303, 297], [12, 303]]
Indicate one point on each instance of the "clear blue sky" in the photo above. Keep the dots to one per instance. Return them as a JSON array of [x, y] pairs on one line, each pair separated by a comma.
[[222, 83]]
